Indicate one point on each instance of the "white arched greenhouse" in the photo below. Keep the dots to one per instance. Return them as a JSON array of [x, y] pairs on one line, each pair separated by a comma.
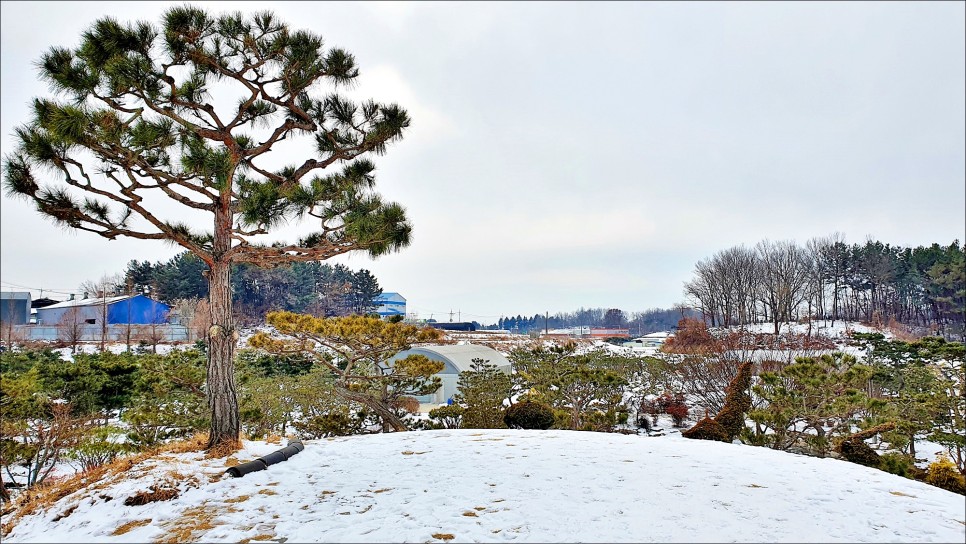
[[457, 358]]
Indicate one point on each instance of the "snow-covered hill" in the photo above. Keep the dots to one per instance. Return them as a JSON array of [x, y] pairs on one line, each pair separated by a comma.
[[506, 485]]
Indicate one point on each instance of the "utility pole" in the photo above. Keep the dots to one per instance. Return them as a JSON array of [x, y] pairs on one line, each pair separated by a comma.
[[451, 316], [546, 317]]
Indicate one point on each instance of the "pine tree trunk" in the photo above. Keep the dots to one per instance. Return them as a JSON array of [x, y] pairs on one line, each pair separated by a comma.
[[389, 419], [222, 397]]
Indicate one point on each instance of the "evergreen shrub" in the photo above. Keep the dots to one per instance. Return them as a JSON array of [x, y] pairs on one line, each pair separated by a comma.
[[897, 463], [707, 429], [447, 417], [528, 415]]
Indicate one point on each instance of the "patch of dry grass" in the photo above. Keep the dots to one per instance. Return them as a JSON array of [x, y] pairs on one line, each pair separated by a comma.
[[192, 524], [127, 527], [443, 536], [155, 493], [45, 495]]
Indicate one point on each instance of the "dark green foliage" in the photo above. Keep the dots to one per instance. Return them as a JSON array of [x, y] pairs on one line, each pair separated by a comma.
[[810, 404], [267, 365], [311, 287], [859, 452], [168, 399], [737, 402], [482, 392], [336, 423], [528, 415], [588, 385], [92, 383], [854, 448], [922, 384], [897, 463], [448, 417]]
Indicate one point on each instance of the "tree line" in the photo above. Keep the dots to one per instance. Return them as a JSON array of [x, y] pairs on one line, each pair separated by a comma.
[[643, 322], [311, 287], [776, 282]]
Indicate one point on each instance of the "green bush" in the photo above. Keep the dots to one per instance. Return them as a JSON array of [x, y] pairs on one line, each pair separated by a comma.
[[330, 424], [897, 463], [528, 415], [447, 417]]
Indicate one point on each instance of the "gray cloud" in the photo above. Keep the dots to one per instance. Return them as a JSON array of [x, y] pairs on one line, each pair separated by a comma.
[[588, 154]]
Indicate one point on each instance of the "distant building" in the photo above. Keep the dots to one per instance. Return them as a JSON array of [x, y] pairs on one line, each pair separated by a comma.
[[649, 342], [15, 307], [121, 310], [586, 332], [468, 326], [390, 304], [456, 358]]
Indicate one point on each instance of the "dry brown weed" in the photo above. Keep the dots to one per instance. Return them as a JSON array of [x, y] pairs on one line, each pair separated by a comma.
[[127, 527]]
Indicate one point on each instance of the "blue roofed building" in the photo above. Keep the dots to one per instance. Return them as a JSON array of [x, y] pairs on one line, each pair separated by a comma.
[[391, 304], [135, 310]]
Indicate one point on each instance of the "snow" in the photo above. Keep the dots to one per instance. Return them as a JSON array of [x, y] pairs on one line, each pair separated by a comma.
[[510, 485]]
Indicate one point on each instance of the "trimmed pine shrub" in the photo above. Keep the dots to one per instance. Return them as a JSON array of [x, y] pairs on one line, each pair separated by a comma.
[[737, 402], [447, 417], [707, 429], [857, 451], [730, 421], [528, 415]]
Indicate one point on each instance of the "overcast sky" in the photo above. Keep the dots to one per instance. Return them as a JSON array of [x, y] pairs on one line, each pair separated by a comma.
[[571, 154]]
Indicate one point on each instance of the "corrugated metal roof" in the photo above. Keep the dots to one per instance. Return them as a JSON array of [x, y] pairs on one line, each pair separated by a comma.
[[88, 302]]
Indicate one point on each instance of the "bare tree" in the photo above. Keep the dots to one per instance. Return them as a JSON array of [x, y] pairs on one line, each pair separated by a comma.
[[70, 328], [107, 286], [784, 277]]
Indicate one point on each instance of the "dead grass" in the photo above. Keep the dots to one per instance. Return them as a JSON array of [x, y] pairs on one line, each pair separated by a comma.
[[267, 492], [240, 498], [223, 450], [443, 536], [155, 493], [127, 527], [44, 496], [901, 494], [192, 524], [65, 513], [470, 514]]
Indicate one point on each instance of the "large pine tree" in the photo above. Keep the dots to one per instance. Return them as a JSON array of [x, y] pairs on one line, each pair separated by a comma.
[[189, 111]]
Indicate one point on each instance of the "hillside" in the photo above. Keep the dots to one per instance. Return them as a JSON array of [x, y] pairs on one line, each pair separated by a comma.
[[505, 485]]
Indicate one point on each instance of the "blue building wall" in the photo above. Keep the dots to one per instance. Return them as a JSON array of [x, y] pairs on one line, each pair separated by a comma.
[[138, 310], [390, 304]]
